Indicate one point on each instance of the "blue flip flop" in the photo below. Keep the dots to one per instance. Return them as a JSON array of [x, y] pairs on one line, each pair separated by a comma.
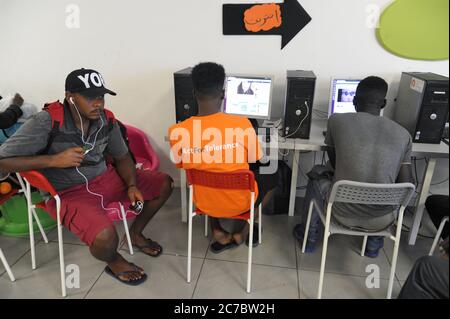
[[127, 282]]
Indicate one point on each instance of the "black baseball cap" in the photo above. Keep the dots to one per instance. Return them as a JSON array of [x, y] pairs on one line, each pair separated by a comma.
[[86, 82]]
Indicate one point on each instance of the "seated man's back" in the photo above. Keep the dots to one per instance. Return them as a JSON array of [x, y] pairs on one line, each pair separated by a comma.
[[216, 143], [369, 149]]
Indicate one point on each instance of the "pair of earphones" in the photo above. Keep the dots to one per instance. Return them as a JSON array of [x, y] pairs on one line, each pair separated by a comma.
[[87, 145], [138, 206]]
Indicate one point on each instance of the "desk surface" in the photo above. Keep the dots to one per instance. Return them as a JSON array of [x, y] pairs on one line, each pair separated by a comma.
[[316, 143]]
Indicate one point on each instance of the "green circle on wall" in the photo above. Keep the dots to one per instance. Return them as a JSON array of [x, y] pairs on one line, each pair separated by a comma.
[[416, 29]]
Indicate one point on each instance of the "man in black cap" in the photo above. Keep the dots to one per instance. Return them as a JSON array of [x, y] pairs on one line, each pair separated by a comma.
[[67, 143]]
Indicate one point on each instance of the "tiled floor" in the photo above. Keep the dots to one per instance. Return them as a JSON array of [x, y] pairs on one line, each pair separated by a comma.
[[280, 270]]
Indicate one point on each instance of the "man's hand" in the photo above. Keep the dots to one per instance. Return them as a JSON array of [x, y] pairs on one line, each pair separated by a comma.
[[71, 157], [17, 100], [134, 194]]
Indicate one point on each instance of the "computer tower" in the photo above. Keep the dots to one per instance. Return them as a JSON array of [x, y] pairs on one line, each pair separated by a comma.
[[185, 103], [299, 104], [422, 106]]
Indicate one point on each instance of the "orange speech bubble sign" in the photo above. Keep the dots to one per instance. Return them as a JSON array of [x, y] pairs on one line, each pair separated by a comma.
[[262, 17]]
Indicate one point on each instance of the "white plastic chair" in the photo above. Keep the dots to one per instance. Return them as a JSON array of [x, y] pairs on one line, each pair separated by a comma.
[[365, 194], [243, 180], [36, 179], [438, 235], [6, 265]]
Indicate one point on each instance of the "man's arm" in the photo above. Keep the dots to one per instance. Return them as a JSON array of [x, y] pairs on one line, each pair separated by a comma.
[[332, 156], [329, 141], [126, 169], [71, 157], [10, 116], [405, 174]]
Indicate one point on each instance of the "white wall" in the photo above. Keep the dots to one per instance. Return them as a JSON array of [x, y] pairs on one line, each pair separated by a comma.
[[137, 45]]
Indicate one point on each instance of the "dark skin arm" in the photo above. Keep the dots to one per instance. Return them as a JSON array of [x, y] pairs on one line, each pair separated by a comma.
[[127, 171], [331, 152], [405, 174], [71, 157], [10, 116]]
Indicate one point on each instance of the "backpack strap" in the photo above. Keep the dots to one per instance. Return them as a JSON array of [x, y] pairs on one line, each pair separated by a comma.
[[111, 119], [56, 111]]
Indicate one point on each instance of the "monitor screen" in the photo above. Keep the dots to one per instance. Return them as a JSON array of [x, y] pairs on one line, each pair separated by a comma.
[[248, 96], [341, 96]]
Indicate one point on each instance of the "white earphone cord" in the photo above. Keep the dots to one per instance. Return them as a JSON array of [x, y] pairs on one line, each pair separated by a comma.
[[92, 147]]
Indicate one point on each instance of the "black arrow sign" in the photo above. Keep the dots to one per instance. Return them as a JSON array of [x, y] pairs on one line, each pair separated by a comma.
[[294, 18]]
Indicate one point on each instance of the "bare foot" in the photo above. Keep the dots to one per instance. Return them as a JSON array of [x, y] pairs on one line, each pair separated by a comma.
[[221, 236], [146, 245], [121, 265], [241, 236]]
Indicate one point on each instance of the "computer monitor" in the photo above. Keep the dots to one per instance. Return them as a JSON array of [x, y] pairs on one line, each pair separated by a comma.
[[342, 93], [248, 96]]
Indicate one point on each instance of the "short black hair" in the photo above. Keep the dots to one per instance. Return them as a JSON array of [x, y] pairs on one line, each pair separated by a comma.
[[208, 79], [371, 90]]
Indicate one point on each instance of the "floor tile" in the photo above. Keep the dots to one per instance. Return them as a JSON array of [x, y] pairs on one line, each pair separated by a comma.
[[342, 287], [167, 279], [224, 280], [44, 282]]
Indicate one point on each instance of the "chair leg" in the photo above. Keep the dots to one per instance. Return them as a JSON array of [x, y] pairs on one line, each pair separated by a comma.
[[393, 267], [438, 235], [206, 225], [363, 249], [189, 235], [6, 265], [250, 252], [41, 229], [322, 264], [30, 225], [260, 224], [308, 222], [127, 231], [61, 248]]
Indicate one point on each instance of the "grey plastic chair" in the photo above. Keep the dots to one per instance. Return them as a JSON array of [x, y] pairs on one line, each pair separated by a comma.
[[365, 194]]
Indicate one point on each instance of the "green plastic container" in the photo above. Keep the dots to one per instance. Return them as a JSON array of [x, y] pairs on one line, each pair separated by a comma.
[[14, 220]]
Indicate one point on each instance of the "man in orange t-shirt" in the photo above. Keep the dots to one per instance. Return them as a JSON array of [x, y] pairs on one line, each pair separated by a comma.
[[218, 142]]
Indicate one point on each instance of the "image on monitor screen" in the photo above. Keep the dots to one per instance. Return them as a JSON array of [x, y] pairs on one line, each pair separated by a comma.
[[248, 96], [341, 96]]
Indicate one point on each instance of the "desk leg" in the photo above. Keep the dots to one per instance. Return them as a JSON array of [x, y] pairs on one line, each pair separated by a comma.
[[423, 197], [293, 194], [184, 212]]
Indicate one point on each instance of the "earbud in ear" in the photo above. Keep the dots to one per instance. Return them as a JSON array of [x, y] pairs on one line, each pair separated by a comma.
[[71, 100]]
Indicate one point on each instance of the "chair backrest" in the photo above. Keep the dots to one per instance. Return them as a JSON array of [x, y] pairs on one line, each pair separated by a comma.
[[371, 194], [141, 147], [39, 181], [241, 179]]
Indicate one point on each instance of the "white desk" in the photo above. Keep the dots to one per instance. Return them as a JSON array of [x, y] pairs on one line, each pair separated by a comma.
[[432, 152], [316, 143]]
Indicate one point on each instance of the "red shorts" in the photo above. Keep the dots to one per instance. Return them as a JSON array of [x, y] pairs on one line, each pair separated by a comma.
[[82, 212]]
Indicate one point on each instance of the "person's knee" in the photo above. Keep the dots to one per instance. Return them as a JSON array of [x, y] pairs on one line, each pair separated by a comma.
[[106, 241]]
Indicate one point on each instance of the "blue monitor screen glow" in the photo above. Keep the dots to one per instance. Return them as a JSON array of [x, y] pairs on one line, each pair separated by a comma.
[[248, 96], [341, 96]]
